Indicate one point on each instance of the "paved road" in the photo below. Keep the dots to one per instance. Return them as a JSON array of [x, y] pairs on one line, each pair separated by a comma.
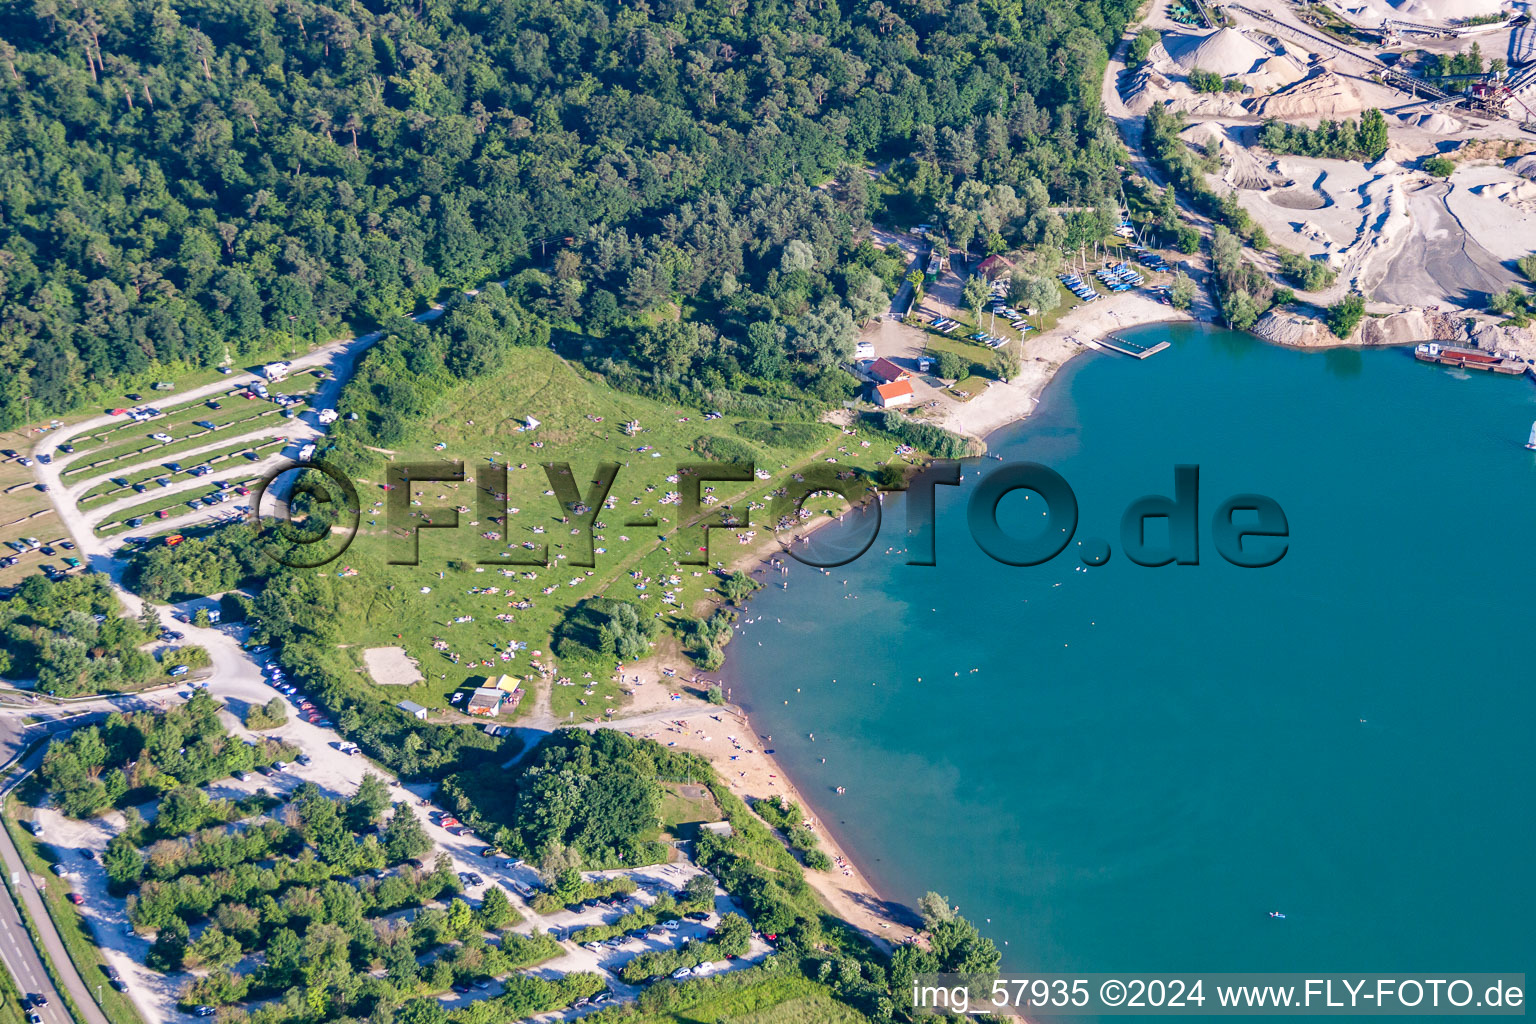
[[16, 947]]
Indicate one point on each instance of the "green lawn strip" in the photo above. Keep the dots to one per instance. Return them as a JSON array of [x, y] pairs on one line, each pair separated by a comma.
[[146, 447], [72, 928], [232, 409], [174, 505], [10, 1000], [106, 492]]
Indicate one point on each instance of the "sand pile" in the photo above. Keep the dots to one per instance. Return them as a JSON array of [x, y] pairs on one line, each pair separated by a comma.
[[1209, 104], [1321, 96], [1441, 11], [1522, 197], [1525, 166], [1446, 10], [1225, 52], [1275, 73], [1434, 122], [1146, 88]]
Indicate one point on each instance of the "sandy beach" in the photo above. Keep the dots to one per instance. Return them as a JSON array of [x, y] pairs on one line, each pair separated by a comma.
[[1003, 404], [666, 709], [737, 752]]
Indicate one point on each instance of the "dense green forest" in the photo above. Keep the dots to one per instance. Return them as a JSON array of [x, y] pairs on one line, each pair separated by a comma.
[[69, 636], [186, 181]]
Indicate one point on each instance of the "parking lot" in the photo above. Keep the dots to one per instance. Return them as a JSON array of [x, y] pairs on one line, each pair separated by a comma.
[[338, 774]]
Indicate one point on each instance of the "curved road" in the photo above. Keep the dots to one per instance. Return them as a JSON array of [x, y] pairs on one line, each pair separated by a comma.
[[234, 674]]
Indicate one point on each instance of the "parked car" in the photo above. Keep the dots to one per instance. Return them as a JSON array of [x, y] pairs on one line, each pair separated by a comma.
[[179, 670], [206, 424], [76, 898]]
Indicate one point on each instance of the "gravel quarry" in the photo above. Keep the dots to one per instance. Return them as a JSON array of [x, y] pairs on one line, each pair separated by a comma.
[[1390, 230]]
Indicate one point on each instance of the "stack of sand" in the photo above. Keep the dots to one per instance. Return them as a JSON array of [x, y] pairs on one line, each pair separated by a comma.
[[1224, 52], [1322, 96], [1372, 12], [1275, 73], [1525, 166], [1435, 123], [1147, 87], [1447, 10]]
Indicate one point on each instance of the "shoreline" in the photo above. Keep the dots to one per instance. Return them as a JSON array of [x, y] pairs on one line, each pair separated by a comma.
[[724, 735], [1077, 332], [744, 765]]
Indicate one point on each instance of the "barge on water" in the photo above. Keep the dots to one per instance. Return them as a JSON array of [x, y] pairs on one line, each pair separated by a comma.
[[1466, 358]]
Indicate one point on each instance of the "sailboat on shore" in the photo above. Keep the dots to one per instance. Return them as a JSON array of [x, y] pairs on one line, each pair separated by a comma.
[[1531, 442]]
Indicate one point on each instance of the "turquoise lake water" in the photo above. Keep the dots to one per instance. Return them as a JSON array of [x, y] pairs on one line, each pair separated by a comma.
[[1147, 761]]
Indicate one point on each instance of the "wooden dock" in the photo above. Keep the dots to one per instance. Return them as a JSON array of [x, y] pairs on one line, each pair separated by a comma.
[[1115, 343]]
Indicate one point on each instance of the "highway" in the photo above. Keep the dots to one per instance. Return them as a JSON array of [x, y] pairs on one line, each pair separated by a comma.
[[17, 951]]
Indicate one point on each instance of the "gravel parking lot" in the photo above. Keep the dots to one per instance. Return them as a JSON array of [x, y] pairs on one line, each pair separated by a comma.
[[338, 774]]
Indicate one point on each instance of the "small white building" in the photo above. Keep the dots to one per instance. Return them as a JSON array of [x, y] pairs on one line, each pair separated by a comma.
[[413, 709], [898, 392], [327, 416]]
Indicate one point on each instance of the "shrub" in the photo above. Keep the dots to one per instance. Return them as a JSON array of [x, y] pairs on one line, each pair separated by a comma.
[[1345, 315], [1204, 81], [267, 716], [952, 365], [724, 449], [925, 437], [780, 434], [1439, 166], [1141, 46]]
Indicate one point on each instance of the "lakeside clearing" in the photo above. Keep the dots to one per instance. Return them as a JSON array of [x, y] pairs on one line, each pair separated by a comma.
[[1005, 403]]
